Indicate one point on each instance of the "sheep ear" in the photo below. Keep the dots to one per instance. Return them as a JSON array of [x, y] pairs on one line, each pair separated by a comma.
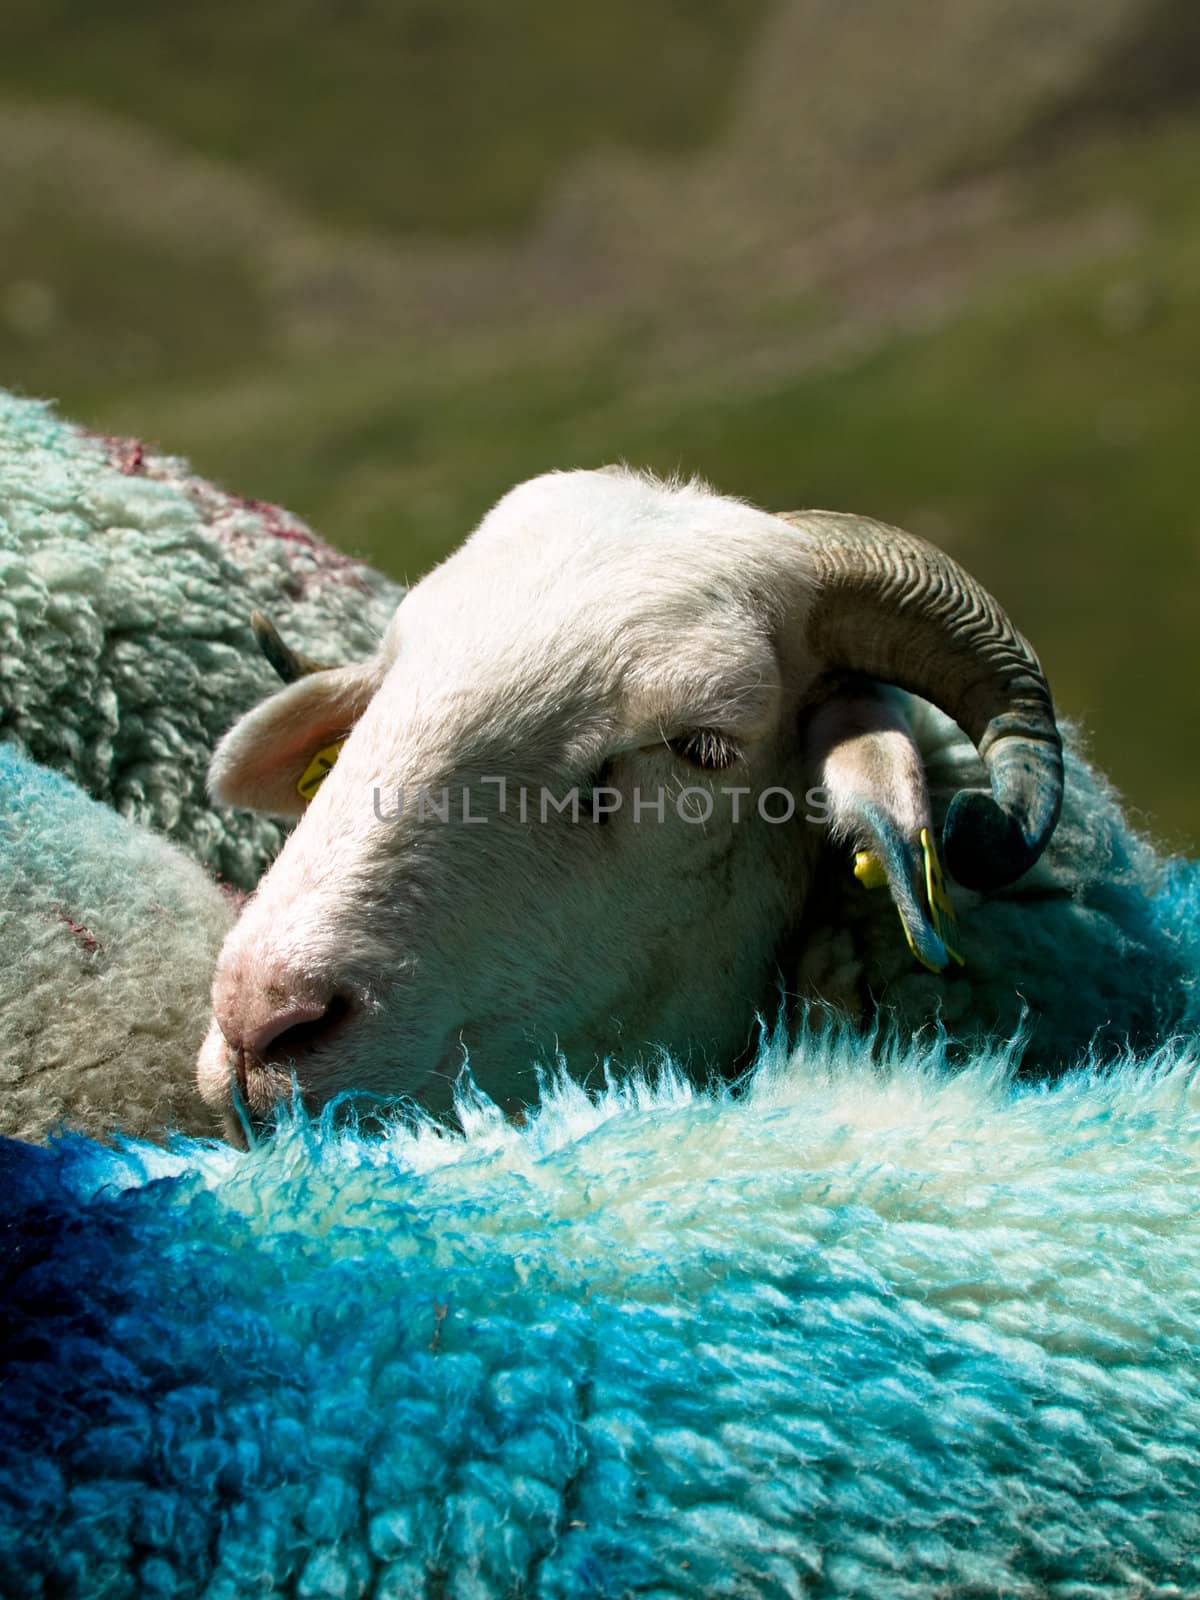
[[273, 759], [865, 758]]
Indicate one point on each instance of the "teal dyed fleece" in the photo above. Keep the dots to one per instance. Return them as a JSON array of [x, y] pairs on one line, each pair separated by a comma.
[[870, 1330], [108, 938], [126, 587]]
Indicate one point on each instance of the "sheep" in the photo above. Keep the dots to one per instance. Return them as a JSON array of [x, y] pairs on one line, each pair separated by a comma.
[[126, 589], [108, 935], [496, 860]]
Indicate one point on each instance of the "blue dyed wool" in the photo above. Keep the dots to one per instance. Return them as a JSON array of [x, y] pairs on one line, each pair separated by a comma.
[[868, 1328]]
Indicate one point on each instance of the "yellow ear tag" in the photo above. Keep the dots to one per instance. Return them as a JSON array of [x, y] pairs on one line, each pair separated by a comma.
[[942, 912], [870, 872], [318, 769]]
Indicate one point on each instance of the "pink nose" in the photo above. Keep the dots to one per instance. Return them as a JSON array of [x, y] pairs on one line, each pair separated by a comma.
[[266, 1037], [271, 1020]]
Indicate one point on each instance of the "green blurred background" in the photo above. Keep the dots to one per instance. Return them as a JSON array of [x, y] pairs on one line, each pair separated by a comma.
[[378, 259]]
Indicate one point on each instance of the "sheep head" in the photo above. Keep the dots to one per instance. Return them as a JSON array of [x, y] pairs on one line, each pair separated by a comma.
[[584, 782]]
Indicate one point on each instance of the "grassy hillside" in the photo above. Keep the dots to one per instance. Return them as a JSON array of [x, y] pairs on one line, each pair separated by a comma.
[[445, 114], [1000, 352]]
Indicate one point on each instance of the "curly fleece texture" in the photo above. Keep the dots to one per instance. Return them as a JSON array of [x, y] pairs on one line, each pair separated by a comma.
[[866, 1329], [108, 938], [126, 587]]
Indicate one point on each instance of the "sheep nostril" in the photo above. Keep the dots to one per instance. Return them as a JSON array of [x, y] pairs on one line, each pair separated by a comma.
[[239, 1073], [291, 1034]]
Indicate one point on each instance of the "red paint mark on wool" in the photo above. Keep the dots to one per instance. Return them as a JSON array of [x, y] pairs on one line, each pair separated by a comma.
[[130, 457], [84, 934], [280, 525], [315, 561], [289, 530], [236, 897], [319, 562], [127, 455]]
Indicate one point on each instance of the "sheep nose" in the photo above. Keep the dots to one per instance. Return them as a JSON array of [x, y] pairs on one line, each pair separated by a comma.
[[274, 1028], [291, 1031]]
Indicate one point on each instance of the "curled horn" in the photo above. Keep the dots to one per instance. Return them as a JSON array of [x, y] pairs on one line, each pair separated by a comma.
[[288, 663], [895, 608]]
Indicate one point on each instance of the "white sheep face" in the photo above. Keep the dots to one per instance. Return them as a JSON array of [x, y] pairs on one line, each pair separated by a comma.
[[592, 626]]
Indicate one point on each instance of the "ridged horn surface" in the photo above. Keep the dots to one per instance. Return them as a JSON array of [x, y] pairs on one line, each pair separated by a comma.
[[895, 608]]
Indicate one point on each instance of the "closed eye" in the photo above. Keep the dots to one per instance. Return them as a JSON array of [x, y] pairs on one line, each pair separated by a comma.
[[706, 749]]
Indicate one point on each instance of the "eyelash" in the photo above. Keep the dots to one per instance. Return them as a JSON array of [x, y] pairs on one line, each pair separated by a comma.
[[706, 749], [702, 748]]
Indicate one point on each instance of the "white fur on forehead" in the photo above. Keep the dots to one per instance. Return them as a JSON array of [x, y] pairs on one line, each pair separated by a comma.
[[628, 528], [613, 572], [597, 507]]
